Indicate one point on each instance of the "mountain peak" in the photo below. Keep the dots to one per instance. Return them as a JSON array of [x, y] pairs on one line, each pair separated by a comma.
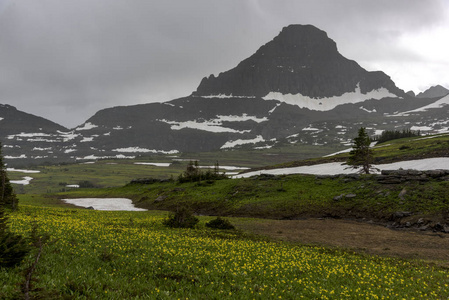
[[302, 59], [433, 92]]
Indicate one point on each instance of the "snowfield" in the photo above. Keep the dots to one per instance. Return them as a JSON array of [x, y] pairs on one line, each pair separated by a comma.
[[325, 104], [337, 168], [153, 164], [26, 181], [105, 203]]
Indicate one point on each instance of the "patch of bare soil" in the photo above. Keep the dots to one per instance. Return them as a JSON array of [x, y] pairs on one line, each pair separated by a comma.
[[356, 236]]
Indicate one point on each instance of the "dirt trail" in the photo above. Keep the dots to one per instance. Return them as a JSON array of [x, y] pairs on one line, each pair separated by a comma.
[[356, 236]]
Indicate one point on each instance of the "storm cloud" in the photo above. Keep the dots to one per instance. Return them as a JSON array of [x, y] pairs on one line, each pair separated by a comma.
[[66, 59]]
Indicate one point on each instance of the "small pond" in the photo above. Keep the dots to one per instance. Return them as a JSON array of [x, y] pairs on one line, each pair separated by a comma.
[[104, 203]]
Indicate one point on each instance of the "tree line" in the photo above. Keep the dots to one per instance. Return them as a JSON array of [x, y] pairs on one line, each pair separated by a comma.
[[389, 135]]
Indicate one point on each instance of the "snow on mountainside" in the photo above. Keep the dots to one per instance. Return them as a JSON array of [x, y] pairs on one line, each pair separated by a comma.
[[297, 89], [328, 103], [437, 104]]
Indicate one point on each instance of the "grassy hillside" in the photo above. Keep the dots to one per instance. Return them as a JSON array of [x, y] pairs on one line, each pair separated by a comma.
[[390, 151], [292, 197]]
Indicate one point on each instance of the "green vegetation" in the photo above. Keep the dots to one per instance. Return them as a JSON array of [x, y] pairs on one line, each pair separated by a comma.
[[130, 255], [389, 135], [13, 247], [193, 173], [135, 255], [181, 218], [289, 197], [220, 223]]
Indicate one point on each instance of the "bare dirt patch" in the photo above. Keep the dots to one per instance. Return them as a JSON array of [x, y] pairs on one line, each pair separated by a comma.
[[356, 236]]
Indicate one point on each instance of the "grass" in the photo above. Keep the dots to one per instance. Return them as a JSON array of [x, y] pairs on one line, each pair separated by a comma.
[[287, 197], [117, 255], [113, 173], [388, 152]]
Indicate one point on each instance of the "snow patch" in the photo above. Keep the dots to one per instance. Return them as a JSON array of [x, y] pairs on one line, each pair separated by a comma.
[[242, 118], [211, 126], [87, 139], [105, 203], [336, 168], [94, 157], [224, 96], [86, 126], [26, 181], [437, 104], [325, 104], [68, 136], [231, 144], [231, 168], [421, 128], [153, 164], [22, 171], [367, 110], [144, 150], [15, 157], [310, 129]]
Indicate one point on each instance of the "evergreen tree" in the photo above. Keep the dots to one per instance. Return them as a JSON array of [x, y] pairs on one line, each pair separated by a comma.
[[361, 154], [7, 196], [13, 247]]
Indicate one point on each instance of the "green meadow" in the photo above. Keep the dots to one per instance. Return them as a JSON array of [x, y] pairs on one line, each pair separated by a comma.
[[130, 255]]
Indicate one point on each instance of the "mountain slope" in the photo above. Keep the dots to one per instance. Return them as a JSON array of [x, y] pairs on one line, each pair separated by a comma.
[[434, 92], [295, 90]]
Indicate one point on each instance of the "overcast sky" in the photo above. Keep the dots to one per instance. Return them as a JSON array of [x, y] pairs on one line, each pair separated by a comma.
[[67, 59]]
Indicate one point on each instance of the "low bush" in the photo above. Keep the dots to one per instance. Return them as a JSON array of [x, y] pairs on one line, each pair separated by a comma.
[[220, 223], [182, 218]]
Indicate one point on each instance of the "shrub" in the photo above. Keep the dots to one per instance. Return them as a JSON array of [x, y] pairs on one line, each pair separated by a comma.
[[182, 218], [86, 184], [194, 174], [220, 223]]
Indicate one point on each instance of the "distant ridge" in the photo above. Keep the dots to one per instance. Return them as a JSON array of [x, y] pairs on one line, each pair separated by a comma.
[[433, 92]]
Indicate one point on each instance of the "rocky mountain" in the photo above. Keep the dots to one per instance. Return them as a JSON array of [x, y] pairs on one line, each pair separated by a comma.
[[434, 92], [301, 61], [295, 90]]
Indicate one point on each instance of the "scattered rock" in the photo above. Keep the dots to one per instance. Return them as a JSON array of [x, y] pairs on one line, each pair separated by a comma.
[[402, 194], [349, 196], [446, 229], [338, 198], [160, 198], [90, 207], [400, 214]]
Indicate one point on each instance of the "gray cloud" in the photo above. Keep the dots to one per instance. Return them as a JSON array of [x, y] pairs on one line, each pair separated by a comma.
[[64, 60]]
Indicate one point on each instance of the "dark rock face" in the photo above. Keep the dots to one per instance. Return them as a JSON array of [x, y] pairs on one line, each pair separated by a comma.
[[301, 59], [13, 121]]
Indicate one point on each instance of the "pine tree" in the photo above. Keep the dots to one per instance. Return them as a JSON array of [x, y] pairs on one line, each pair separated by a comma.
[[13, 247], [7, 195], [361, 154]]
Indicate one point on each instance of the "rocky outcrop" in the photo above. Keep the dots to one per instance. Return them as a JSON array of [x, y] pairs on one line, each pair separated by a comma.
[[400, 176]]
